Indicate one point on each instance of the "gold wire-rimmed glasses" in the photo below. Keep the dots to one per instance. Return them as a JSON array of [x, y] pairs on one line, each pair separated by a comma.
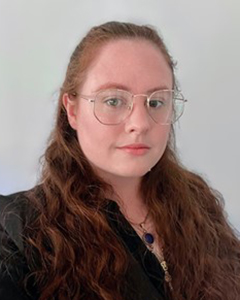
[[113, 106]]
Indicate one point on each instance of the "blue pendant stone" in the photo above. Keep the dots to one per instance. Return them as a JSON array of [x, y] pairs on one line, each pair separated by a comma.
[[148, 237]]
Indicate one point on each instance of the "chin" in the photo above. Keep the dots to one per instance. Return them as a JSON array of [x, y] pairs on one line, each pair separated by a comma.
[[126, 172], [135, 173]]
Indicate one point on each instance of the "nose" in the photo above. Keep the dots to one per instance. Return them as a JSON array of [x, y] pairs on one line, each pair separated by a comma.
[[139, 119]]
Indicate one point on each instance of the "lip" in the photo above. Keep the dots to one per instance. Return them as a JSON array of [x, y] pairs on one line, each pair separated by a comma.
[[135, 146], [135, 149]]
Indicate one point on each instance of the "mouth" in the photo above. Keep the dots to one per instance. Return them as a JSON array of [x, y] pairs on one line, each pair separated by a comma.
[[135, 149]]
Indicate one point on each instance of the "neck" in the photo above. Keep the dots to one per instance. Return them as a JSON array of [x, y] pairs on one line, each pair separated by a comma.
[[127, 195]]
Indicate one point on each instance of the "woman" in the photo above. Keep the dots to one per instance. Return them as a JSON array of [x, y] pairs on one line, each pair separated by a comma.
[[116, 216]]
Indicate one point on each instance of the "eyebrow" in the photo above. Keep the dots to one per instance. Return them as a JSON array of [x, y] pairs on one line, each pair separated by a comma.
[[114, 85]]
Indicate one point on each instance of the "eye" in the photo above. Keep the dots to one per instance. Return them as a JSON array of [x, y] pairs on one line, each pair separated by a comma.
[[114, 102], [156, 103]]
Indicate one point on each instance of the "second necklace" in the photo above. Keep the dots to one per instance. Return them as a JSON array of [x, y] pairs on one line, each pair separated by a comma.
[[148, 239]]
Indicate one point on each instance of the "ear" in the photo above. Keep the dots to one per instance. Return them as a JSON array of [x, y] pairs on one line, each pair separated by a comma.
[[71, 109]]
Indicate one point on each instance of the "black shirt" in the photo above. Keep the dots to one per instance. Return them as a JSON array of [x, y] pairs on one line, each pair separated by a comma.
[[145, 274]]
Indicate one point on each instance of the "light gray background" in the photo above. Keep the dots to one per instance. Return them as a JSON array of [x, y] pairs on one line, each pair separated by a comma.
[[37, 38]]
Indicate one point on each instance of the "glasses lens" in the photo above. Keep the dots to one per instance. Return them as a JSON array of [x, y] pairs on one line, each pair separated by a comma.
[[179, 103], [160, 106], [112, 106], [166, 107]]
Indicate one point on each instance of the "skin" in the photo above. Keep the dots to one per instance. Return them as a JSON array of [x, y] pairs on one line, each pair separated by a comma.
[[137, 66]]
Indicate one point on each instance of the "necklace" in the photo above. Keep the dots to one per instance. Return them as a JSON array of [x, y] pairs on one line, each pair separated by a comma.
[[148, 239]]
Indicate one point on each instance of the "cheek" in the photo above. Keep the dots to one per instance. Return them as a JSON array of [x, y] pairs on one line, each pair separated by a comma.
[[162, 136], [88, 134], [94, 138]]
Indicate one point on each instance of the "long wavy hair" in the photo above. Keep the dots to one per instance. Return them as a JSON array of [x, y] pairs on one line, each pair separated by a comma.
[[78, 254]]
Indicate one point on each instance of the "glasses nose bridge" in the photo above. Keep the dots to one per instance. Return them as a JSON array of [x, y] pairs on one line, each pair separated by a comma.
[[132, 97], [131, 106], [137, 96], [140, 95]]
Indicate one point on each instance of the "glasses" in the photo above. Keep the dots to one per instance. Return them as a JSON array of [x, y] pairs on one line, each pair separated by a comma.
[[113, 106]]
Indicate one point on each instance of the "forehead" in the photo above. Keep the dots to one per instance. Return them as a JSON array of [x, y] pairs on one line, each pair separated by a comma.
[[137, 65]]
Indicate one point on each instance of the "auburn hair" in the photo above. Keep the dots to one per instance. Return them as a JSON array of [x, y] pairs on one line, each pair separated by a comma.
[[79, 256]]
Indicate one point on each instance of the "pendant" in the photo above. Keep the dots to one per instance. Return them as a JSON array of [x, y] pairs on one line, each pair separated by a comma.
[[148, 238]]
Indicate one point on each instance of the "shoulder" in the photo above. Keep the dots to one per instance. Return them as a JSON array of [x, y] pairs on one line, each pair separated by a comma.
[[12, 202], [12, 216], [16, 210], [12, 260]]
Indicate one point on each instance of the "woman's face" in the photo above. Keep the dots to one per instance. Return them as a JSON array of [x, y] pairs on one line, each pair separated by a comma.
[[132, 148]]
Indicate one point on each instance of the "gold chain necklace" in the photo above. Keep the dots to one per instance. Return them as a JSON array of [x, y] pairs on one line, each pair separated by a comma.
[[148, 239]]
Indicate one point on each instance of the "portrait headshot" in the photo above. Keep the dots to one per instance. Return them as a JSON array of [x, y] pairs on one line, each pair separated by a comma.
[[119, 142]]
